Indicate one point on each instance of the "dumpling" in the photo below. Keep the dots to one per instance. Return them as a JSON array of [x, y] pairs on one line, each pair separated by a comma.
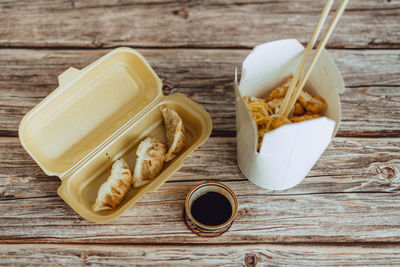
[[149, 162], [175, 132], [115, 188]]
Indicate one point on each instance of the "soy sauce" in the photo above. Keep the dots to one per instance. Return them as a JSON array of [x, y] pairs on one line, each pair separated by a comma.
[[211, 209]]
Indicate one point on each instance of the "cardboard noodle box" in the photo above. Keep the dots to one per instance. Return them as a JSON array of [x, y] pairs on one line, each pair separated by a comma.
[[98, 115], [289, 152]]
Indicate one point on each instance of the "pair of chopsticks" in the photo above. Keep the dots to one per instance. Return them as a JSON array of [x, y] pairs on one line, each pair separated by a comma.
[[296, 87]]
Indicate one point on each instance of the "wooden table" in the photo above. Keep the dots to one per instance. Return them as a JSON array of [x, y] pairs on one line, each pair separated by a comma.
[[347, 210]]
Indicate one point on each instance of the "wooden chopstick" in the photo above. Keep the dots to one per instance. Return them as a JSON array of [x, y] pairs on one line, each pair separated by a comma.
[[310, 45], [315, 57]]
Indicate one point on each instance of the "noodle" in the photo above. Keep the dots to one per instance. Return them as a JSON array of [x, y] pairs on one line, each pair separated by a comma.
[[260, 112], [264, 111]]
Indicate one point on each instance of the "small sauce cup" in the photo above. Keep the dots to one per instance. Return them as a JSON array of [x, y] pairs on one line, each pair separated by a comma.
[[206, 187]]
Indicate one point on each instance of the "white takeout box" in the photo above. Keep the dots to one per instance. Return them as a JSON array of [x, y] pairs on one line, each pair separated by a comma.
[[289, 152]]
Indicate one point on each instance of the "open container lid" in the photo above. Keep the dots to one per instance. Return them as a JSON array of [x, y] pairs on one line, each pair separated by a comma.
[[89, 107]]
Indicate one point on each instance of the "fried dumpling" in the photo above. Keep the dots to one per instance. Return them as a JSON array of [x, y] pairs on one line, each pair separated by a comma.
[[175, 132], [113, 191], [149, 162]]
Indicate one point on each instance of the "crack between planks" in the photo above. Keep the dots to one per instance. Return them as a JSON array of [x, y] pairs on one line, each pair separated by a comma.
[[194, 4], [368, 134], [219, 244], [232, 133], [322, 193], [373, 85], [239, 196], [102, 46], [374, 47], [190, 5], [8, 198]]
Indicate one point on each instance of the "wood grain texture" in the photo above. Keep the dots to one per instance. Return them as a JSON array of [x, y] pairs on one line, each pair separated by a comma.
[[346, 210], [157, 218], [80, 23], [199, 255], [348, 165], [370, 105], [352, 194]]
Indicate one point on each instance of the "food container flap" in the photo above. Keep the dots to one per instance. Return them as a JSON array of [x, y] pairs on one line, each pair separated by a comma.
[[88, 108]]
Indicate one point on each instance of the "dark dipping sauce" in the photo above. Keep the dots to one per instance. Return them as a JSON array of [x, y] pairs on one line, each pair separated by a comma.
[[211, 209]]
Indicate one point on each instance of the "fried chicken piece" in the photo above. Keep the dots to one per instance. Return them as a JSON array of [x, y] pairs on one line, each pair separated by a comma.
[[304, 98], [298, 109], [305, 117], [277, 102], [316, 105], [281, 90], [277, 93], [278, 122]]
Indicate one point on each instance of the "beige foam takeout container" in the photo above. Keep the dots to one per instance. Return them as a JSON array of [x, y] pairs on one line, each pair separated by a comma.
[[100, 114], [289, 152]]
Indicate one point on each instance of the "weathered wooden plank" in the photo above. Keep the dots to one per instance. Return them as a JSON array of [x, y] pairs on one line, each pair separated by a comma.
[[157, 218], [199, 255], [352, 194], [371, 105], [190, 23], [348, 165]]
